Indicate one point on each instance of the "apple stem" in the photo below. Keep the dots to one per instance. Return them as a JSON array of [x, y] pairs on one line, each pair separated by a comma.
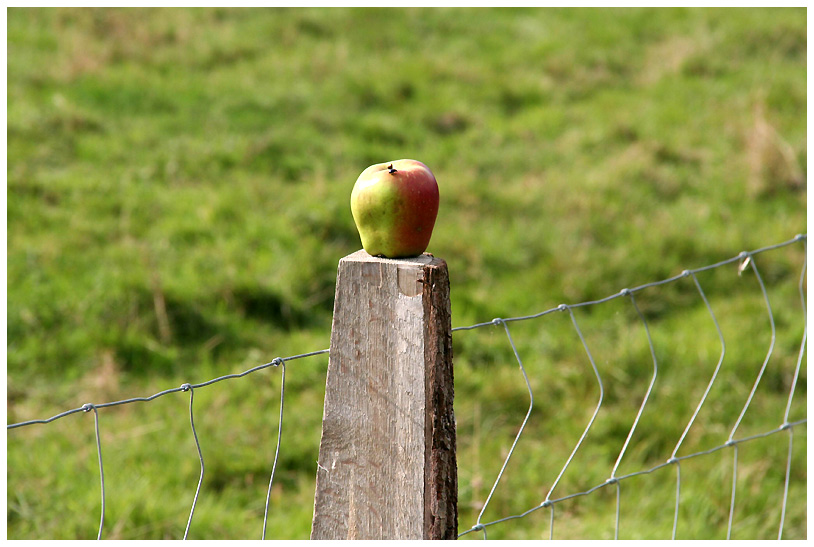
[[391, 168]]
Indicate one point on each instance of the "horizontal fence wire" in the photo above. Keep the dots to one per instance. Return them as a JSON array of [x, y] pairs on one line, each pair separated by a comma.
[[184, 387], [746, 259]]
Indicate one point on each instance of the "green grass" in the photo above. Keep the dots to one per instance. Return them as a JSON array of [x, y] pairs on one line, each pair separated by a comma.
[[178, 200]]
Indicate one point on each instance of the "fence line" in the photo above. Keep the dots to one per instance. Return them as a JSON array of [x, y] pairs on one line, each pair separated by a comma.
[[746, 259]]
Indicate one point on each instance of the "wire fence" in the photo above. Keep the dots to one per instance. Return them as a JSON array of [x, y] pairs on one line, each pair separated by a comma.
[[276, 362], [746, 260]]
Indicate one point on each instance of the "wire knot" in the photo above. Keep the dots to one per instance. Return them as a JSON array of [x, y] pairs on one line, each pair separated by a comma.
[[625, 292], [612, 480], [673, 460], [785, 426], [799, 237], [478, 527], [562, 307], [685, 273], [185, 387], [547, 503], [87, 407], [497, 321], [276, 362]]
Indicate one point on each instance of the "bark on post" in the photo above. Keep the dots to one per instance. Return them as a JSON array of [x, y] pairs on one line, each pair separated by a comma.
[[387, 467]]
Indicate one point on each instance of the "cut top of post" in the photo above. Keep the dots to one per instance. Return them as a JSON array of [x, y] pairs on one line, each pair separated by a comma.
[[408, 283]]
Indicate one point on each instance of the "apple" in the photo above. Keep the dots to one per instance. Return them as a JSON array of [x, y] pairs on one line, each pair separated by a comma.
[[394, 206]]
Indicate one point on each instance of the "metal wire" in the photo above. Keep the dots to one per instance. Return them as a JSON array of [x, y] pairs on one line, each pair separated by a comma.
[[791, 396], [748, 260], [714, 374], [187, 387], [281, 363], [551, 523], [771, 345], [165, 392], [522, 426], [786, 486], [734, 489], [596, 410], [803, 343], [86, 408], [616, 528], [649, 387], [795, 239], [678, 498], [673, 458]]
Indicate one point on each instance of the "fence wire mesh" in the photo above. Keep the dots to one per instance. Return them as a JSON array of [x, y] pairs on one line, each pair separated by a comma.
[[746, 260], [276, 362]]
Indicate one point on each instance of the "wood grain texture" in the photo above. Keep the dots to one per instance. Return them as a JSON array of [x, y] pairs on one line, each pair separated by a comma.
[[441, 479], [387, 465]]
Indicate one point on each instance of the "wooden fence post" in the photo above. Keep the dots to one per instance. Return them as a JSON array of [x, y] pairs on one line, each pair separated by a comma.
[[387, 467]]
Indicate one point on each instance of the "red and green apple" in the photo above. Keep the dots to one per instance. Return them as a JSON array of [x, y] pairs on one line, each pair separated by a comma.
[[394, 206]]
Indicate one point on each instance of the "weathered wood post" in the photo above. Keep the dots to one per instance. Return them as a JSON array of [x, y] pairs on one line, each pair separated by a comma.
[[387, 467]]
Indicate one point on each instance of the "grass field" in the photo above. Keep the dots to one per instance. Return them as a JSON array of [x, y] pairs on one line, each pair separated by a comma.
[[178, 193]]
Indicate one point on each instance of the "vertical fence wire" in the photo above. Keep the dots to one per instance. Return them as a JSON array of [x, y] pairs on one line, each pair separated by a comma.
[[786, 485], [800, 354], [673, 458], [734, 489], [714, 373], [618, 504], [678, 498], [791, 397], [748, 260], [281, 364], [629, 293], [551, 523], [522, 426], [547, 501], [87, 408], [188, 387]]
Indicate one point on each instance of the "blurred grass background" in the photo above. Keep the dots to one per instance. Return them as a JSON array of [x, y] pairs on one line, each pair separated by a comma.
[[178, 200]]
